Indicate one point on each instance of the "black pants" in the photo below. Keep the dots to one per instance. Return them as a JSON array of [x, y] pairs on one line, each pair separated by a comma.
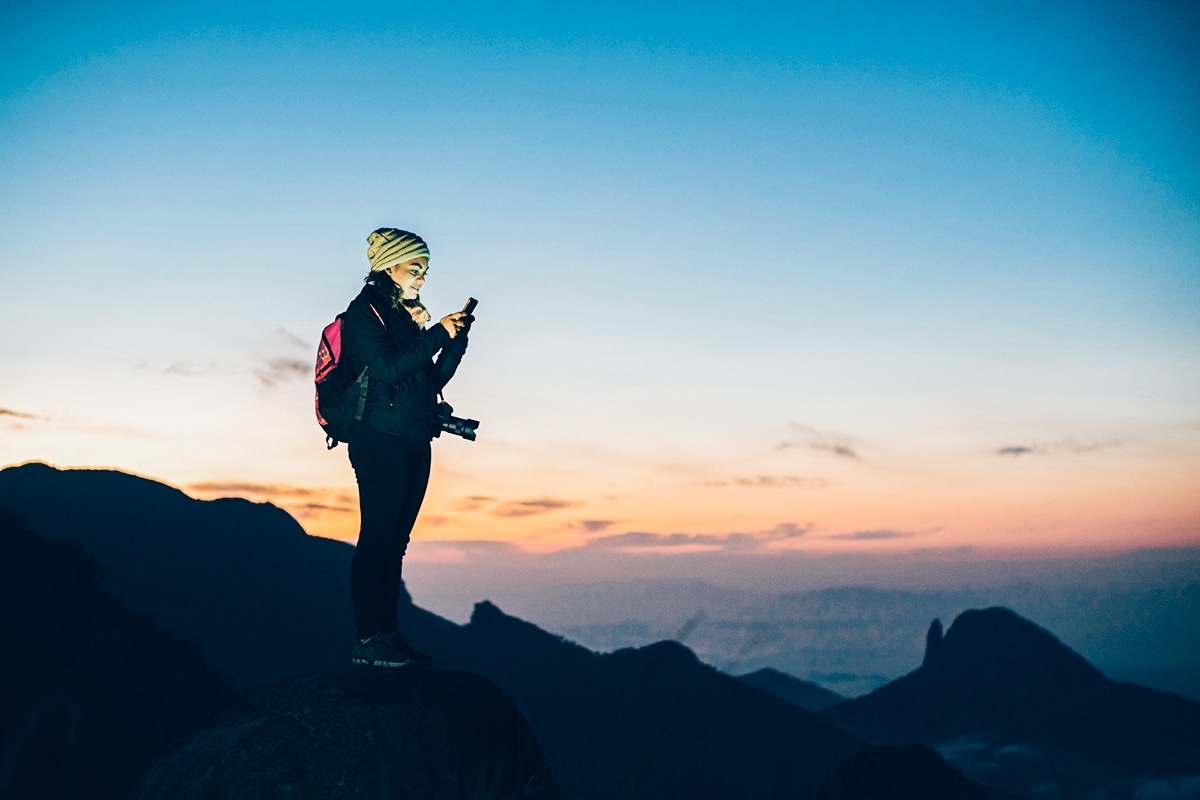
[[392, 474]]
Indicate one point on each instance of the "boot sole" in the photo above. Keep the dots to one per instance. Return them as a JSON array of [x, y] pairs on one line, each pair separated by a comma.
[[362, 662]]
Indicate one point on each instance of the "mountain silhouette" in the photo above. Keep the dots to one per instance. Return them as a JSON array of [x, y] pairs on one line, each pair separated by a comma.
[[996, 682], [683, 728], [91, 692], [266, 603], [805, 694], [263, 599]]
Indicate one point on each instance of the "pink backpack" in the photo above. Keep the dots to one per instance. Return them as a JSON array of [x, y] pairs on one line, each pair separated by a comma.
[[340, 395]]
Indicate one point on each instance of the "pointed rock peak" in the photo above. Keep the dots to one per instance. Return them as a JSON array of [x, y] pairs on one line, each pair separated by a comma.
[[933, 642], [486, 611], [493, 628], [488, 616], [1000, 640]]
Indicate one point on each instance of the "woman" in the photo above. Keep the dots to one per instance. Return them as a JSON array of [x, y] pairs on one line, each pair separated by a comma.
[[389, 446]]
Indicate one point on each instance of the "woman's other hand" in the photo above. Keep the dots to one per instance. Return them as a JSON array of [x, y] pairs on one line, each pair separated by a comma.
[[453, 323]]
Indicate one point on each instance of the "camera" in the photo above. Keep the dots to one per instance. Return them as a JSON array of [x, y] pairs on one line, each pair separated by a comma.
[[452, 424]]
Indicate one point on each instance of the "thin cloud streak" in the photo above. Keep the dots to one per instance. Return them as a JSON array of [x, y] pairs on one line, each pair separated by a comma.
[[190, 369], [304, 503], [474, 502], [824, 441], [871, 535], [769, 482], [641, 541], [512, 508], [528, 508], [243, 488], [1070, 445], [278, 370], [324, 507]]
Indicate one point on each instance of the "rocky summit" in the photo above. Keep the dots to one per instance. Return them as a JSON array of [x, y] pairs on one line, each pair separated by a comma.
[[405, 733]]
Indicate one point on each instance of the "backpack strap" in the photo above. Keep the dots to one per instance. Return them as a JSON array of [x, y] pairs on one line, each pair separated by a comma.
[[362, 394]]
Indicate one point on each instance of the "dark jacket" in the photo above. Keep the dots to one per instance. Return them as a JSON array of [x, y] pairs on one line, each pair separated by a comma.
[[403, 380]]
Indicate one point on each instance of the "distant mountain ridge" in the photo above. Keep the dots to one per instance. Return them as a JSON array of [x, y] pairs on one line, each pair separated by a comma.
[[997, 683], [805, 694], [265, 602]]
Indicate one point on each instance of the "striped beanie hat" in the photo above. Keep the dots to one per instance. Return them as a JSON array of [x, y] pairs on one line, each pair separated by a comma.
[[387, 247]]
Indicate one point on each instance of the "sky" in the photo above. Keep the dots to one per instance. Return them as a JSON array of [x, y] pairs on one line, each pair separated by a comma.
[[774, 283]]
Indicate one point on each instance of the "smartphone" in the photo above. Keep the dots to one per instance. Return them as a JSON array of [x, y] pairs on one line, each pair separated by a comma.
[[470, 306]]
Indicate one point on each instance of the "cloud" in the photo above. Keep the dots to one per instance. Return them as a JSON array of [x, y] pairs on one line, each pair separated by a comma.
[[305, 511], [190, 369], [871, 535], [825, 441], [301, 501], [784, 530], [278, 370], [838, 449], [754, 541], [15, 420], [244, 488], [527, 508], [512, 508], [324, 507], [642, 542], [474, 502], [595, 525], [770, 482], [1069, 445]]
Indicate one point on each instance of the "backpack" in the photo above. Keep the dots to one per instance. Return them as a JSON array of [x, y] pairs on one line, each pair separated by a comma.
[[340, 395]]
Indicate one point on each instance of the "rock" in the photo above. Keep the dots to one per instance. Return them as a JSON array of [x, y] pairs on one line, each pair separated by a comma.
[[900, 773], [424, 734], [933, 642]]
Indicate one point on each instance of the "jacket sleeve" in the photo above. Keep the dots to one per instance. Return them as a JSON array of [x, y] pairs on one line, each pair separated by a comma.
[[449, 359], [372, 343]]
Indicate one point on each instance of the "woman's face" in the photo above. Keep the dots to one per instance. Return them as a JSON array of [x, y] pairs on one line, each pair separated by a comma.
[[409, 276]]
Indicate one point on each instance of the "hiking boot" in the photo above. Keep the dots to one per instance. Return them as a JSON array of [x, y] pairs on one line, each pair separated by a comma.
[[379, 651], [415, 656], [388, 650]]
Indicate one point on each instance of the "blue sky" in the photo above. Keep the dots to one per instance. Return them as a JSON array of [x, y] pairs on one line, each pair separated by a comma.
[[849, 268]]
